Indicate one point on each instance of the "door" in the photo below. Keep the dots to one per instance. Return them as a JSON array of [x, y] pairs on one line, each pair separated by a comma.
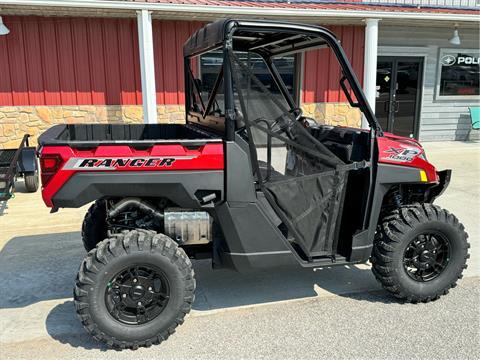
[[399, 85]]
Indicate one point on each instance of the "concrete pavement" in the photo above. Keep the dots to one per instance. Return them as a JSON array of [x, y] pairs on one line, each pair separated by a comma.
[[356, 326], [338, 312]]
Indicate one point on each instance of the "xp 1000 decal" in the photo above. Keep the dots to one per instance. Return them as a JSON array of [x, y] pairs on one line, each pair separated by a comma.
[[401, 154], [122, 163]]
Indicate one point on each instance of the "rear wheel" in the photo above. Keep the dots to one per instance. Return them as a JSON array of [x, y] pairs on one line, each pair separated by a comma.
[[31, 181], [420, 252], [94, 226], [134, 289]]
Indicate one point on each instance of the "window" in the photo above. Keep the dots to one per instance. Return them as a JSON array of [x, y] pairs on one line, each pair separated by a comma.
[[258, 103], [458, 76], [211, 63], [210, 67], [205, 79]]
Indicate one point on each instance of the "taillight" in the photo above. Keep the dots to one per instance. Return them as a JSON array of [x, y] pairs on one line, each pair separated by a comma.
[[49, 164]]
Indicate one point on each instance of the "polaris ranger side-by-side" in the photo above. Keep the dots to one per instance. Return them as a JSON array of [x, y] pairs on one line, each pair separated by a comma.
[[249, 182]]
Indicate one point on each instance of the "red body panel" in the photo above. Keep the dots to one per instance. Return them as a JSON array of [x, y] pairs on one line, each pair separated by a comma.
[[397, 150], [165, 157]]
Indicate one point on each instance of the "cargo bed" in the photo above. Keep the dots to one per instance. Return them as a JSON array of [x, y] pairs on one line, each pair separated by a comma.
[[91, 135]]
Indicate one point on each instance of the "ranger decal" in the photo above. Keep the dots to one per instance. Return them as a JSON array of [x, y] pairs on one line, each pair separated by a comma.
[[121, 163]]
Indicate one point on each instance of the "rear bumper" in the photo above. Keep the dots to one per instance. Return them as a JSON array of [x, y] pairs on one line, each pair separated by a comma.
[[436, 190]]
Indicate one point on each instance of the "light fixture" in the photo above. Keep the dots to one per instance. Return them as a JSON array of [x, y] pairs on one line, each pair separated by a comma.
[[3, 29], [455, 40]]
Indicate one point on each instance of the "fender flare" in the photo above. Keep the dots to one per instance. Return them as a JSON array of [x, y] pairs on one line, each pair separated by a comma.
[[185, 188]]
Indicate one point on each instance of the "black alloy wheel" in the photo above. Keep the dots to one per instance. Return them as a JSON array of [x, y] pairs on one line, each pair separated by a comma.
[[134, 288], [426, 256], [137, 295], [419, 252]]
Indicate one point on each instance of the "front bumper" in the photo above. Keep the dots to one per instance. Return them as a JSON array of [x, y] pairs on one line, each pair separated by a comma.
[[436, 190]]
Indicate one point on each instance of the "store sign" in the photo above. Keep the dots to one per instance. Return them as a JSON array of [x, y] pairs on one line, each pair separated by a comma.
[[449, 60], [458, 74]]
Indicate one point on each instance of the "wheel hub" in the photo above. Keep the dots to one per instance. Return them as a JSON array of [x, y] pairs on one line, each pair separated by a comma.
[[137, 294], [426, 256]]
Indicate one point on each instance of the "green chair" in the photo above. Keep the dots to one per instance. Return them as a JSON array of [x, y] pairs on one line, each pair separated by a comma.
[[475, 117]]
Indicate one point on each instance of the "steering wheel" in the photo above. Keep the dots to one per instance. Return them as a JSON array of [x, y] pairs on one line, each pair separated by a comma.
[[284, 123]]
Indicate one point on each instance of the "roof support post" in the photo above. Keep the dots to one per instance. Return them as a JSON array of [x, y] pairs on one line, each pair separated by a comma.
[[370, 65], [147, 66]]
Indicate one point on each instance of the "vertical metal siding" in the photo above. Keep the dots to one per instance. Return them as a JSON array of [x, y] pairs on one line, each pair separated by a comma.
[[96, 64], [81, 72], [322, 71], [16, 58], [5, 81], [169, 37], [128, 81], [112, 68], [94, 61], [48, 57], [66, 63], [169, 62], [69, 61], [33, 66]]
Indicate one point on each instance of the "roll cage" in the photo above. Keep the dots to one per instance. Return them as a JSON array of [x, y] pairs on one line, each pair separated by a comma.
[[268, 39]]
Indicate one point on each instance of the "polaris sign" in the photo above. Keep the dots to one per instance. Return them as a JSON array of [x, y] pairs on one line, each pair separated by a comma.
[[449, 60]]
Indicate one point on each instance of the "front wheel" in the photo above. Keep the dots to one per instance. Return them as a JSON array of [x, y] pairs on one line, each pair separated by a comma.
[[134, 289], [419, 253]]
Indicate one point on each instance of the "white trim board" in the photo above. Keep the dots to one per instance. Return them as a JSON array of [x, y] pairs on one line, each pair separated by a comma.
[[246, 10]]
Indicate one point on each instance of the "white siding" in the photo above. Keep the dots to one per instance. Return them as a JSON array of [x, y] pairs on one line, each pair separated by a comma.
[[439, 119]]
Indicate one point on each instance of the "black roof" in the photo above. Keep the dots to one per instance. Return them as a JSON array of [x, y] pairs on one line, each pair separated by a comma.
[[273, 37]]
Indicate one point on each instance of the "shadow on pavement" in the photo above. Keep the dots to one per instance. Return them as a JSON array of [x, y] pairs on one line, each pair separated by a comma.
[[38, 268], [63, 325], [43, 267]]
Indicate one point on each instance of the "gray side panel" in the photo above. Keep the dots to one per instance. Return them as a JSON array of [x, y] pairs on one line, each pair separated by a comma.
[[248, 230], [388, 175], [251, 239], [178, 186], [239, 178]]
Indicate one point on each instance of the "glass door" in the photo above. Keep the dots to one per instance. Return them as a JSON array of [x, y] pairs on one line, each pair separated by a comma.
[[399, 82]]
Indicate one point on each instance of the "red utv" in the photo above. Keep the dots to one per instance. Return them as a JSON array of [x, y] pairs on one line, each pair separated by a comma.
[[249, 182]]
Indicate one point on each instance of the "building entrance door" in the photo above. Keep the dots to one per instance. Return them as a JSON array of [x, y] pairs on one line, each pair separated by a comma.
[[399, 94]]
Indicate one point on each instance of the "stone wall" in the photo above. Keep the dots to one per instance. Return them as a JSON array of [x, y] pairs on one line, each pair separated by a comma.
[[336, 114], [15, 121]]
